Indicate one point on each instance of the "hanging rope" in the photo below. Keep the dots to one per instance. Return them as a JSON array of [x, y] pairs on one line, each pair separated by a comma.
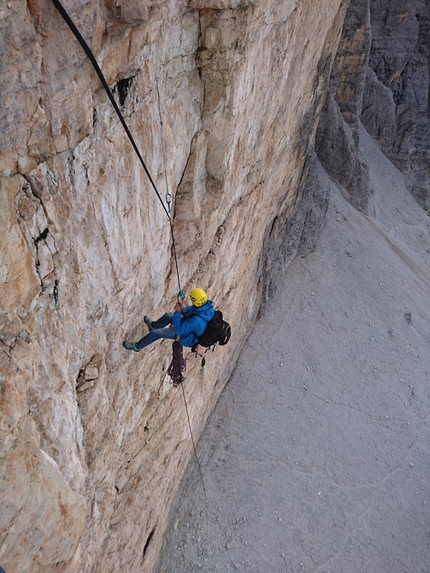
[[168, 195], [177, 366], [102, 79], [195, 452], [178, 363]]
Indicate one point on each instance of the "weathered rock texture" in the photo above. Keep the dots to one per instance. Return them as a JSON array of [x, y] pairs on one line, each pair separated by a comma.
[[91, 455], [381, 78], [337, 135], [396, 100]]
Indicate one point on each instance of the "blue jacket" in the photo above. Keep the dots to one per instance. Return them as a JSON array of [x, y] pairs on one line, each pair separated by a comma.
[[191, 322]]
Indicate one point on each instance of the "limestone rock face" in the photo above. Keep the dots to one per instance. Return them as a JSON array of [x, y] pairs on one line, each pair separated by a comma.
[[337, 151], [400, 60], [349, 72], [337, 135], [380, 78], [94, 439]]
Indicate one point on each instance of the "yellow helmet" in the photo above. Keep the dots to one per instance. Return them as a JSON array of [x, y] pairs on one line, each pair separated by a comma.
[[198, 297]]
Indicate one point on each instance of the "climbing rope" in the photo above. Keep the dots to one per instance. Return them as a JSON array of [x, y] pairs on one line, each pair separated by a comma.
[[102, 79], [195, 452], [178, 364], [168, 195]]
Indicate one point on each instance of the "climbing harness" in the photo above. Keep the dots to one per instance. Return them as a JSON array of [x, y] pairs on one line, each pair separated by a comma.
[[102, 79], [195, 349]]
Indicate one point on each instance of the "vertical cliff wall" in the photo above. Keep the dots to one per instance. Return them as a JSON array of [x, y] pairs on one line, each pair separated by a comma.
[[380, 78], [396, 108], [92, 448]]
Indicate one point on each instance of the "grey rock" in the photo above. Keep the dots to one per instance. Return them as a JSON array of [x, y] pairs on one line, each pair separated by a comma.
[[380, 78], [399, 56], [337, 152]]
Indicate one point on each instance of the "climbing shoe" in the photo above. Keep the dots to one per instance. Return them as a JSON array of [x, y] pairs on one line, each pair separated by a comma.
[[148, 322], [130, 346]]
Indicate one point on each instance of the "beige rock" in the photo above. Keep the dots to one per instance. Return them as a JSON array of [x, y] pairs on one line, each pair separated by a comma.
[[91, 373], [20, 284], [48, 532], [26, 164], [8, 163], [87, 248], [86, 386]]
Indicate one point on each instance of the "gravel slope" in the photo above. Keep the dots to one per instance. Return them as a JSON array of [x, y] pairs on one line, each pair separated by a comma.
[[317, 456]]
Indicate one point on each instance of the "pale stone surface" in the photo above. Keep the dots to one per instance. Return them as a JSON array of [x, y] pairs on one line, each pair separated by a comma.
[[91, 373], [316, 456], [91, 466]]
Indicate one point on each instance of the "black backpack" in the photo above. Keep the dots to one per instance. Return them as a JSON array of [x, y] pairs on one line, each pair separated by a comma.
[[217, 330]]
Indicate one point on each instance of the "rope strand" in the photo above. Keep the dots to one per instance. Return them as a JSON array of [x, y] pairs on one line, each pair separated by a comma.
[[102, 79], [162, 138], [195, 449], [96, 67]]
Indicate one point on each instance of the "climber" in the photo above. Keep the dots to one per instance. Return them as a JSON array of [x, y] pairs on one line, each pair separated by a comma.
[[189, 323]]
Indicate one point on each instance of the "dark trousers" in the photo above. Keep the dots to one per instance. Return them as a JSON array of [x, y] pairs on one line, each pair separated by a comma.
[[158, 331]]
